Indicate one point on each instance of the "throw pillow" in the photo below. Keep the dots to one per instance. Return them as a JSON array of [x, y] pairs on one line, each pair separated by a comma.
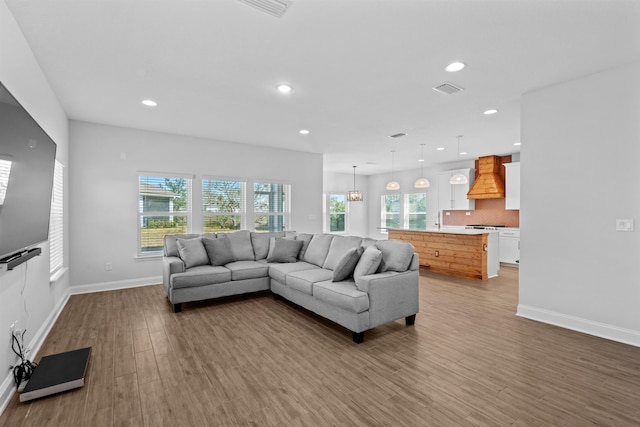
[[396, 255], [285, 250], [347, 264], [272, 244], [368, 263], [192, 252], [241, 245], [219, 250]]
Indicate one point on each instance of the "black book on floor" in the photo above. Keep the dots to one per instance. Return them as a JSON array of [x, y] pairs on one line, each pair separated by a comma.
[[57, 373]]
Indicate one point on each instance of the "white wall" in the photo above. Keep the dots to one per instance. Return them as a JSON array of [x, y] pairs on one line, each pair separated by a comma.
[[579, 173], [25, 292], [357, 211], [104, 192]]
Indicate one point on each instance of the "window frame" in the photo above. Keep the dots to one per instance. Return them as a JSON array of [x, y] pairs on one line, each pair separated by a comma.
[[56, 223], [286, 213], [329, 212], [384, 213], [187, 213], [408, 212]]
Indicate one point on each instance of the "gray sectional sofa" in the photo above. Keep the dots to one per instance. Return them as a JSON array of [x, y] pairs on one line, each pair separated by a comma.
[[359, 283]]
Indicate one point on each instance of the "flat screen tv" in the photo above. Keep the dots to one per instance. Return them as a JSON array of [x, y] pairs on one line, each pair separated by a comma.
[[27, 160]]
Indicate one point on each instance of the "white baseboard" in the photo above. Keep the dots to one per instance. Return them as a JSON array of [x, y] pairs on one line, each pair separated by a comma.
[[112, 286], [8, 387], [602, 330]]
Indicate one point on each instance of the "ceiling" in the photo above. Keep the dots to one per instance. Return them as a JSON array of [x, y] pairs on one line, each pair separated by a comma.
[[361, 70]]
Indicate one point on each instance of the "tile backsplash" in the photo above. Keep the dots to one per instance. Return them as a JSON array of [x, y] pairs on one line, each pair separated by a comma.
[[488, 212]]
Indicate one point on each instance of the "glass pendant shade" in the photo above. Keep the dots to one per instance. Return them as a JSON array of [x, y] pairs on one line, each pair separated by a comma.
[[393, 184], [458, 178], [355, 195], [422, 183]]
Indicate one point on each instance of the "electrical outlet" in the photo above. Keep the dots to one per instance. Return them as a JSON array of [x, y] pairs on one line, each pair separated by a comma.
[[108, 266]]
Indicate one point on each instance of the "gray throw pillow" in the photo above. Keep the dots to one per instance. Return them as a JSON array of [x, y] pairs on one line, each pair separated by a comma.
[[260, 242], [241, 245], [396, 255], [272, 244], [347, 264], [368, 263], [192, 252], [285, 250], [219, 250]]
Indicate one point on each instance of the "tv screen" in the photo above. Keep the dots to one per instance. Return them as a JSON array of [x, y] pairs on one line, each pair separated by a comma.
[[27, 160]]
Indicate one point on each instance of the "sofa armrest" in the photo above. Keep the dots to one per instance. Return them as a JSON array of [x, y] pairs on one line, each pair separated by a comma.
[[392, 295], [170, 265]]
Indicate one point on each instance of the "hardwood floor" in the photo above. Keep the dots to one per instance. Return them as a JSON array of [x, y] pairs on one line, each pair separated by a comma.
[[255, 361]]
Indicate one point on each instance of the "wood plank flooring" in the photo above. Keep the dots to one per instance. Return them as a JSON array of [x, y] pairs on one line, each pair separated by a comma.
[[254, 361]]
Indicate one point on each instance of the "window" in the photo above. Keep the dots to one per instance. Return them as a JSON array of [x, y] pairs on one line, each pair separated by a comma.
[[222, 205], [271, 206], [390, 214], [164, 207], [415, 211], [337, 212], [56, 221]]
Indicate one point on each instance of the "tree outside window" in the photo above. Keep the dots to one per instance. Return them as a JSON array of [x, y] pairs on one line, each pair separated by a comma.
[[222, 205], [390, 214], [416, 211], [337, 212], [271, 206]]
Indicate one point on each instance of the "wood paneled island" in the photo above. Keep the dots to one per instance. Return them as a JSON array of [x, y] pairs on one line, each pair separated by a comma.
[[466, 253]]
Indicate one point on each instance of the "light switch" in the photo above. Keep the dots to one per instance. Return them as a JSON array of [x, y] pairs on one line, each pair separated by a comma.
[[624, 225]]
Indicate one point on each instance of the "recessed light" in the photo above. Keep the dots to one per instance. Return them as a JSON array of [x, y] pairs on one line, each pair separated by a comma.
[[421, 160], [440, 148], [490, 111], [304, 132], [463, 153], [149, 102], [517, 143], [455, 66], [284, 88]]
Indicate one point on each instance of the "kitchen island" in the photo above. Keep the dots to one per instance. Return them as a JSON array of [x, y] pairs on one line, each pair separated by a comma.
[[469, 253]]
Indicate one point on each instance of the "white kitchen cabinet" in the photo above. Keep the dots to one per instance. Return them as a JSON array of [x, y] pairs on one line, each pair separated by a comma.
[[454, 197], [512, 199], [510, 246]]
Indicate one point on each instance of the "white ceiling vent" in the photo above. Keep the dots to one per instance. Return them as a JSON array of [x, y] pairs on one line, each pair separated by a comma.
[[275, 8], [447, 88]]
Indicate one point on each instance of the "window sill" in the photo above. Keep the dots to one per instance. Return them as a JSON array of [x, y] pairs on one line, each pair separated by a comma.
[[57, 275], [148, 257]]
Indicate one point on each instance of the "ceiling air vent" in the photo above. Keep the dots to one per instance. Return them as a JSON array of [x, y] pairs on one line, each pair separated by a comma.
[[447, 88], [398, 135], [275, 8]]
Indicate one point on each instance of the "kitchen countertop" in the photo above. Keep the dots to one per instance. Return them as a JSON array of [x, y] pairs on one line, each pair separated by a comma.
[[467, 231]]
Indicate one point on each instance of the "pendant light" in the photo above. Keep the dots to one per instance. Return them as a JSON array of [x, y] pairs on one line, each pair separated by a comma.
[[393, 184], [422, 182], [458, 178], [355, 195]]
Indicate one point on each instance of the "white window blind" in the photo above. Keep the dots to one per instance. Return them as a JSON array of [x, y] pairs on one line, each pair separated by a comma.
[[56, 220], [223, 205], [271, 206]]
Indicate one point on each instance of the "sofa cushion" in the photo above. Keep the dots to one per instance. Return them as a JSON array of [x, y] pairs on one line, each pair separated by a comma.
[[339, 246], [200, 276], [347, 264], [260, 242], [284, 250], [318, 249], [305, 238], [368, 263], [279, 271], [170, 246], [241, 245], [219, 250], [396, 255], [342, 294], [192, 252], [241, 270], [303, 280]]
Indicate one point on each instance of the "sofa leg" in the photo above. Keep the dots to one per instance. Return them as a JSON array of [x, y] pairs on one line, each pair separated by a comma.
[[410, 320], [177, 308], [358, 337]]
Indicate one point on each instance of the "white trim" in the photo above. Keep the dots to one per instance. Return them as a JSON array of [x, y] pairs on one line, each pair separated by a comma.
[[8, 388], [112, 286], [586, 326], [165, 174], [57, 275]]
